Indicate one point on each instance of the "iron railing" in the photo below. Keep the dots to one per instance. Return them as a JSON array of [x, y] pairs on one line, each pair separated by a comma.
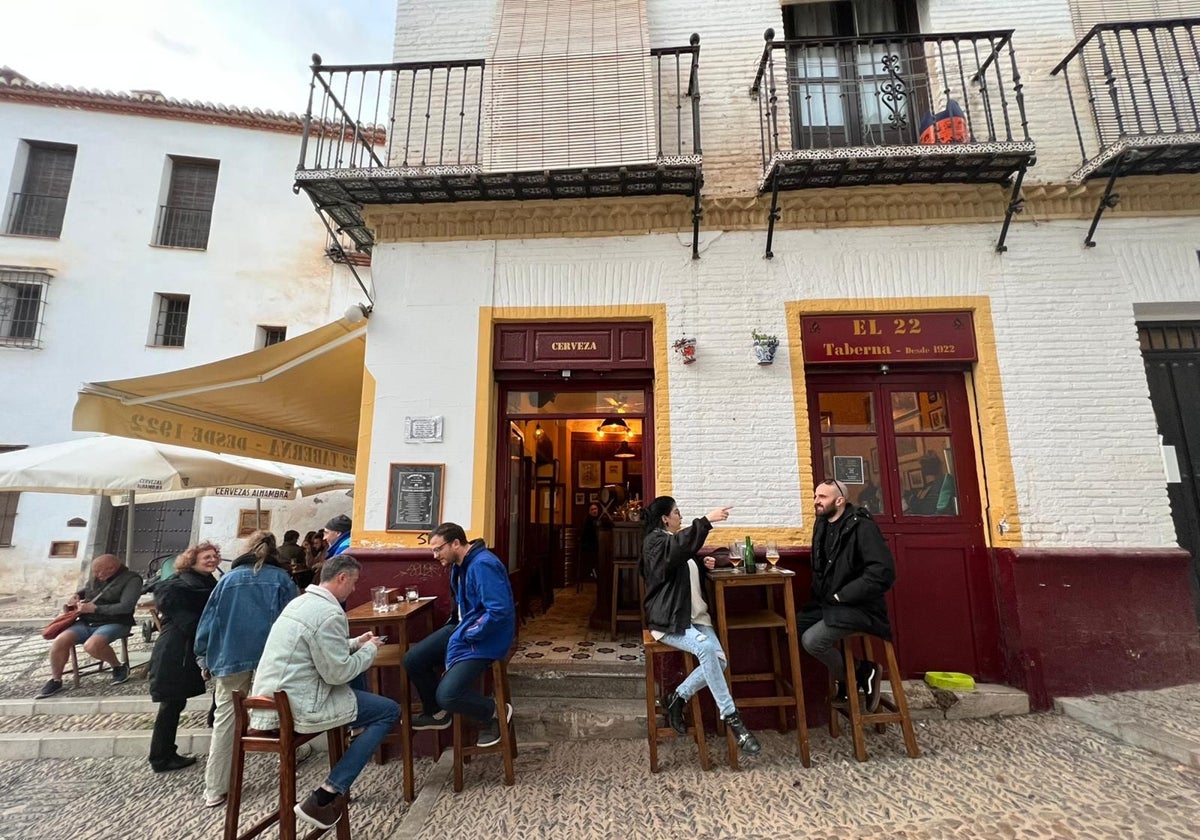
[[182, 227], [910, 89], [1139, 79], [433, 113], [36, 215]]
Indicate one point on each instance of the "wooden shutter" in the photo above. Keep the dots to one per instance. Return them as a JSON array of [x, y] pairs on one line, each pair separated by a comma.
[[570, 85], [1153, 102], [8, 515]]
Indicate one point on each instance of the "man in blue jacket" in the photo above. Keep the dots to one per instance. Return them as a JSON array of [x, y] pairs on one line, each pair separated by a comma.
[[480, 631]]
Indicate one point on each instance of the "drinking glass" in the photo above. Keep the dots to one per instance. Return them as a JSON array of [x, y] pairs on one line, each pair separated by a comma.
[[772, 554], [735, 554], [410, 594], [379, 598]]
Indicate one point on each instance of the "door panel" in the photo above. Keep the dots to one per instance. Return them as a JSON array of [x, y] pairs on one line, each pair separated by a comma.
[[902, 445]]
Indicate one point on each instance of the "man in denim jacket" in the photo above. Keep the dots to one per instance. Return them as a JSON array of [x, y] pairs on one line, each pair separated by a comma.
[[479, 632]]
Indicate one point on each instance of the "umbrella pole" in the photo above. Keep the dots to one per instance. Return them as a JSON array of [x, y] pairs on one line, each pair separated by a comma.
[[129, 511], [258, 513]]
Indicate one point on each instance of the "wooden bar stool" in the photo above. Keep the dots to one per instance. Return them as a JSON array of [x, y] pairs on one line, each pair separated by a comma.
[[896, 708], [507, 747], [619, 567], [96, 665], [284, 742], [654, 708]]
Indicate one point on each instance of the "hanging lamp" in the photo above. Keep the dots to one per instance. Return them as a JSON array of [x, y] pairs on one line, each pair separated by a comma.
[[624, 451], [614, 425]]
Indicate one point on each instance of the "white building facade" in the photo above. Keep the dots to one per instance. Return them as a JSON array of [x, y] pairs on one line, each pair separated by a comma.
[[142, 234]]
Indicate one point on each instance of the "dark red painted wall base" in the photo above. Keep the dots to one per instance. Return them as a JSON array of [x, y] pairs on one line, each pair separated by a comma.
[[1084, 621]]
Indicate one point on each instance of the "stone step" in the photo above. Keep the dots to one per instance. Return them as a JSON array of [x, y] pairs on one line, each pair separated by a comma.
[[77, 705], [578, 719], [598, 685]]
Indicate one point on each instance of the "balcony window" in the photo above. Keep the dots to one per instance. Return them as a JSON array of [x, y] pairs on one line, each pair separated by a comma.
[[22, 300], [170, 327], [184, 221], [271, 335], [38, 209]]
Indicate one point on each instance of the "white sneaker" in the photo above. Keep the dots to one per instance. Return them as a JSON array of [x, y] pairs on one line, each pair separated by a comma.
[[214, 801]]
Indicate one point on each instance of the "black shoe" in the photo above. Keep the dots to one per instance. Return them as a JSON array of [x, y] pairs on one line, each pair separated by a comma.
[[489, 733], [675, 706], [322, 816], [840, 699], [120, 674], [442, 720], [175, 762], [746, 741], [51, 688], [869, 676]]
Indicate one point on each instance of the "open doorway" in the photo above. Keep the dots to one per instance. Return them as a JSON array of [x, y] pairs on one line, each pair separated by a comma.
[[570, 504]]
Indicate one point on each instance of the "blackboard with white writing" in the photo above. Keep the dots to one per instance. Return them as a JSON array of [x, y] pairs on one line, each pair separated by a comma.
[[415, 497]]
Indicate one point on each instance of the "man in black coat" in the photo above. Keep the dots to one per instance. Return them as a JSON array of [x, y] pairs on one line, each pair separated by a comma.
[[852, 569]]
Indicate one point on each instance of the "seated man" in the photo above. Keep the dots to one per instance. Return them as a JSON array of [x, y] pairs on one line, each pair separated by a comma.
[[479, 632], [310, 656], [105, 609]]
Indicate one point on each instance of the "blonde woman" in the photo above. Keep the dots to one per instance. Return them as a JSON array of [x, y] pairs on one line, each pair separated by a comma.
[[174, 674], [230, 640]]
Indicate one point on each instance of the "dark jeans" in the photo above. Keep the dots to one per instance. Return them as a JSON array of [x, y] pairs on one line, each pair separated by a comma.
[[166, 724], [455, 693]]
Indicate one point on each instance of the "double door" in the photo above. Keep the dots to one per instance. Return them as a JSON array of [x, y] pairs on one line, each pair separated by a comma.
[[902, 446]]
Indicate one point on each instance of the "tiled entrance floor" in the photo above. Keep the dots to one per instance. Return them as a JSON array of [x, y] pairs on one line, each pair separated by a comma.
[[562, 634]]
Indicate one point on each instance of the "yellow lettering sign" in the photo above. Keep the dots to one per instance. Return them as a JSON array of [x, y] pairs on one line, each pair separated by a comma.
[[573, 345]]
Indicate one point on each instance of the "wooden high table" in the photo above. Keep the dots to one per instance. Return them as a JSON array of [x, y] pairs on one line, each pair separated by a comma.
[[789, 690], [395, 625]]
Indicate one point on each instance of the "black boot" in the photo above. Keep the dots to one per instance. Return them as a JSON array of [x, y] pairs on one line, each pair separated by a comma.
[[746, 741], [674, 707]]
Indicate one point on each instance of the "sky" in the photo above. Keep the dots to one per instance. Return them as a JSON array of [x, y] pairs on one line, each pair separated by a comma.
[[251, 53]]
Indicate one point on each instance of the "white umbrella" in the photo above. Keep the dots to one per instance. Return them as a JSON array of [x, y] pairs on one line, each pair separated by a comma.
[[111, 466]]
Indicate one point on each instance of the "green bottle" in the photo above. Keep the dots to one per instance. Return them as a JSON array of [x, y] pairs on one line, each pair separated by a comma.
[[748, 557]]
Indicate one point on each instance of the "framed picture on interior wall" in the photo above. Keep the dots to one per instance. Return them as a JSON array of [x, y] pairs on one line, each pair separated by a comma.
[[937, 418], [593, 497], [248, 521], [633, 468], [589, 474], [915, 479], [904, 402], [613, 474], [931, 397], [579, 498]]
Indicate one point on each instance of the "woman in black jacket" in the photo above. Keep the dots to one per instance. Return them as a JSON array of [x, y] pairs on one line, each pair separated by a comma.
[[174, 674], [677, 613]]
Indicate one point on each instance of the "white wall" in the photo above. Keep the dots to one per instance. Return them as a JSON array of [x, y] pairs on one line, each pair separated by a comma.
[[264, 264], [1082, 432]]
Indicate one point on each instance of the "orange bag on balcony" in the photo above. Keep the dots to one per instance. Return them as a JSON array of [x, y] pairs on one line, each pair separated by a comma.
[[944, 127]]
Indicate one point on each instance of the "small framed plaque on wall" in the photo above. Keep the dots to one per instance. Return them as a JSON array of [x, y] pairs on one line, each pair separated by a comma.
[[415, 497]]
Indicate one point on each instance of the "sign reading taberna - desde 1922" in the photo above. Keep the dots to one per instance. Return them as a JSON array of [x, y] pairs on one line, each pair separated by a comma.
[[415, 497], [889, 337]]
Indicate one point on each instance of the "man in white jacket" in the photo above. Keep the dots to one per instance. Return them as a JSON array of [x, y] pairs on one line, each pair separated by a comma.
[[310, 656]]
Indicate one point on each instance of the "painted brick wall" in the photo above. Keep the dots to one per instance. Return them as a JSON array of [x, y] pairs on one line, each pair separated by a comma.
[[731, 44], [1084, 448]]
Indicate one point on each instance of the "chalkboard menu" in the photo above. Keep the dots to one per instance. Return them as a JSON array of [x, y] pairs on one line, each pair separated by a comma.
[[415, 497]]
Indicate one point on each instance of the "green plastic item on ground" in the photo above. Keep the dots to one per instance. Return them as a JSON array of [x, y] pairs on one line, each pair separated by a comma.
[[950, 680]]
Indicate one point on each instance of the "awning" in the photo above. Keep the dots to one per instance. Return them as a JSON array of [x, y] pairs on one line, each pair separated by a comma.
[[297, 402]]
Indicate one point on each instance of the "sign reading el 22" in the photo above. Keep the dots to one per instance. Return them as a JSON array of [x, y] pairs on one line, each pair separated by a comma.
[[889, 337]]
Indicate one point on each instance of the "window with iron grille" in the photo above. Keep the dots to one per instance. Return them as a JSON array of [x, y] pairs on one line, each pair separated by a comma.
[[184, 221], [171, 328], [38, 209], [271, 335], [22, 302], [8, 515]]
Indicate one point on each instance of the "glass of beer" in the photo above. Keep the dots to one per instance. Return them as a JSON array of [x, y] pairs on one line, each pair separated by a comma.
[[772, 554]]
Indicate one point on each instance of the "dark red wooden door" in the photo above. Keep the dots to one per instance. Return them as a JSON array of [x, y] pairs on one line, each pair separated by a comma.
[[902, 445]]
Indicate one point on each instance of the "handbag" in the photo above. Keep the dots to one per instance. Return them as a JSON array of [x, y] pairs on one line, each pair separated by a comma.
[[59, 624]]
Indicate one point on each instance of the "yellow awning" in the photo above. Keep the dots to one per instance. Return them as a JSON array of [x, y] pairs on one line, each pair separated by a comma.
[[297, 402]]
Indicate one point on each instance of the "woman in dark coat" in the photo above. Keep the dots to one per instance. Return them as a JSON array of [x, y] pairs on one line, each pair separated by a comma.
[[174, 674]]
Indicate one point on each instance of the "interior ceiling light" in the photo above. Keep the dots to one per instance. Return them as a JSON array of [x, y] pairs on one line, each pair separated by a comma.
[[614, 424], [538, 431], [624, 451]]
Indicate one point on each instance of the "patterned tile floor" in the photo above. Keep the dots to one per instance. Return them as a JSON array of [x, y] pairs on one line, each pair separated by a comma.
[[562, 634]]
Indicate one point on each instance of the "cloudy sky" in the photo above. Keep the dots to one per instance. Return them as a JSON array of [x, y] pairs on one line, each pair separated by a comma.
[[236, 52]]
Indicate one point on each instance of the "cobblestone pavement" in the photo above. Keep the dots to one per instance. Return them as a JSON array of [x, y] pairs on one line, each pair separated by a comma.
[[1175, 710]]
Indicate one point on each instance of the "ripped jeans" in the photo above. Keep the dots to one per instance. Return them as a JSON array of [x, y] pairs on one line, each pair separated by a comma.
[[702, 642]]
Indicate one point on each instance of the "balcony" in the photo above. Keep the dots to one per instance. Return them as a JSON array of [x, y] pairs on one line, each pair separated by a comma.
[[457, 131], [182, 227], [1134, 90], [891, 109], [37, 215]]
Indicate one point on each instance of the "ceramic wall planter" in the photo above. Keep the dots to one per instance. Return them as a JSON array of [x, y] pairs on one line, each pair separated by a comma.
[[764, 348], [686, 348]]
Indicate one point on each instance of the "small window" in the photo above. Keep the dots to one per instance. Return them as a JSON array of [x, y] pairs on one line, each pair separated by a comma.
[[22, 301], [184, 221], [38, 209], [271, 335], [8, 516], [170, 329]]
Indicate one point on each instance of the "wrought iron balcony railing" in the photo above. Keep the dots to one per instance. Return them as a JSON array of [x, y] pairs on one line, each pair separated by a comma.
[[36, 215], [182, 227], [467, 130], [891, 109], [1134, 90]]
